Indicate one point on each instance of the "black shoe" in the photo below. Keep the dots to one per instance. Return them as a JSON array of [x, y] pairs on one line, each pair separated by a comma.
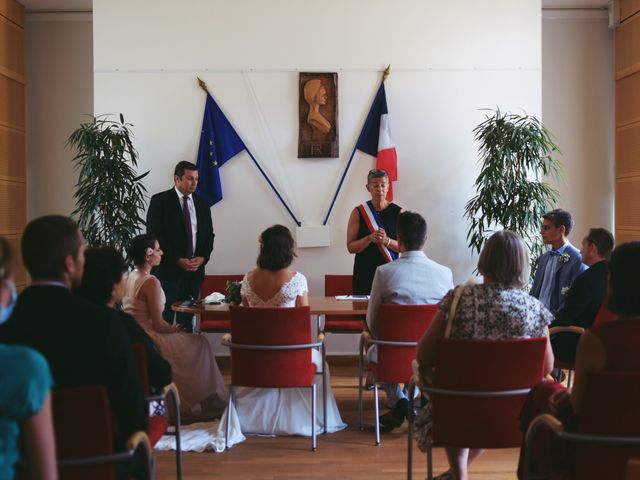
[[395, 417]]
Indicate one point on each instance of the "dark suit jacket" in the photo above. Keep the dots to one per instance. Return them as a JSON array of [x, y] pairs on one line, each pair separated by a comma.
[[84, 344], [585, 298], [166, 222], [158, 369], [565, 276]]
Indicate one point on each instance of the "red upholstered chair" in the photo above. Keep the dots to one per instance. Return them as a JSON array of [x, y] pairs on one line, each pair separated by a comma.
[[216, 322], [341, 285], [478, 392], [84, 430], [604, 315], [271, 348], [608, 427], [159, 425], [399, 329]]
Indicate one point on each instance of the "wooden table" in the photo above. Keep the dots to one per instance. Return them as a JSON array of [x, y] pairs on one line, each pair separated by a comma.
[[318, 306]]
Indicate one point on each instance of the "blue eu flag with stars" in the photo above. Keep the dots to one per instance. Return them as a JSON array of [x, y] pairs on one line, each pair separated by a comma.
[[219, 142]]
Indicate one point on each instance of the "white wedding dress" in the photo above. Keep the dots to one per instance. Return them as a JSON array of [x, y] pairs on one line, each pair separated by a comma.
[[279, 411]]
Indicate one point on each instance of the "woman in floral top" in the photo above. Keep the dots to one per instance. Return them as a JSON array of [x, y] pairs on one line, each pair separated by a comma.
[[496, 309]]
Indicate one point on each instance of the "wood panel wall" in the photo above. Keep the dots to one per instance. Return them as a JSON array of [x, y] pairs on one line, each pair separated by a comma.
[[628, 122], [13, 172]]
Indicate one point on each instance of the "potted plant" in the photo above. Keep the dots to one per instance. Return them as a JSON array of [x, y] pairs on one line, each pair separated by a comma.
[[110, 195], [516, 153]]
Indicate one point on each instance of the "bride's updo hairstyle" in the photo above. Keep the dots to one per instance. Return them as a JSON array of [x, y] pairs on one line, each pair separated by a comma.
[[139, 248], [276, 248]]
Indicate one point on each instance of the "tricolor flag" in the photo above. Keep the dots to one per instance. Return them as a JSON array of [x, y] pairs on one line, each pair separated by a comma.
[[375, 139], [219, 142]]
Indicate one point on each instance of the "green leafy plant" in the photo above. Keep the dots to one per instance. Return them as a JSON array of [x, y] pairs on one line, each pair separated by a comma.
[[233, 293], [516, 153], [110, 195]]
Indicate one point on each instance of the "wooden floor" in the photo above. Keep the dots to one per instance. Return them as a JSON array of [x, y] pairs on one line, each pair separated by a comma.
[[349, 454]]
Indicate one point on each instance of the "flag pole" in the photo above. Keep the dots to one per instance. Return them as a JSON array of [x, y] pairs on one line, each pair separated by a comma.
[[385, 74], [203, 86]]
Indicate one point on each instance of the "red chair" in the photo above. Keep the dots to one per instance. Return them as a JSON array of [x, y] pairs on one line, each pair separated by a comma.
[[399, 329], [478, 392], [608, 427], [159, 425], [84, 430], [216, 322], [341, 285], [604, 315], [271, 348]]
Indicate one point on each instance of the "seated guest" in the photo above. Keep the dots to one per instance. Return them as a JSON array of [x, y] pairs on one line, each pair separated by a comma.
[[412, 279], [104, 283], [585, 295], [496, 309], [25, 402], [557, 268], [83, 343], [273, 284], [25, 410], [612, 346], [195, 371]]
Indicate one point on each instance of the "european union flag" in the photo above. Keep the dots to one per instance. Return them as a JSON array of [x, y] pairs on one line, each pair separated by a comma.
[[219, 142]]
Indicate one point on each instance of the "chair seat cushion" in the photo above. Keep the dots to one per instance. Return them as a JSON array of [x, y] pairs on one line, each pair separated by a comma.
[[217, 325], [343, 324], [157, 427]]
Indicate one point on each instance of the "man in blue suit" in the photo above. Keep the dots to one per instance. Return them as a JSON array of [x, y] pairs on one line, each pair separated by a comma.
[[559, 267]]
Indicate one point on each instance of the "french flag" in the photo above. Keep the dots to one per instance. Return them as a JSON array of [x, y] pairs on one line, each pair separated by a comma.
[[375, 139]]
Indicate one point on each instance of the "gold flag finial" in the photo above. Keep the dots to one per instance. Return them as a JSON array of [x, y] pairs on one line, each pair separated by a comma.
[[203, 85], [386, 72]]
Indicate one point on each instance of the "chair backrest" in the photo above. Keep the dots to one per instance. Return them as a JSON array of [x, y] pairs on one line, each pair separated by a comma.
[[483, 365], [140, 357], [217, 283], [83, 428], [400, 323], [338, 285], [271, 326], [610, 407], [604, 315]]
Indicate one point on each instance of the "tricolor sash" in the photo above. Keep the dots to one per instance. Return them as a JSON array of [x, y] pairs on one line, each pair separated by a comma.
[[373, 222]]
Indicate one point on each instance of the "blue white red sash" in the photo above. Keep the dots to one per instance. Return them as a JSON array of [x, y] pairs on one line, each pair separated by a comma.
[[373, 222]]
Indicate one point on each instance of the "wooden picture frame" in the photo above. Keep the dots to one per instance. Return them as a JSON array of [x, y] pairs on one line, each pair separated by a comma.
[[318, 115]]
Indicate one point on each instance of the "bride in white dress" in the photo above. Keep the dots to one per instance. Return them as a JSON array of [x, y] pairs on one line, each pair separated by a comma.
[[277, 411]]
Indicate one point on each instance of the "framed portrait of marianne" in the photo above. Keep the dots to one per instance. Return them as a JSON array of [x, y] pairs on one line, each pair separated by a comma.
[[318, 115]]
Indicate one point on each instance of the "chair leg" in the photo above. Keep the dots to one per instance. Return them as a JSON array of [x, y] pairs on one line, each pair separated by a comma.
[[375, 396], [360, 388], [176, 415], [412, 390], [429, 460], [313, 417], [324, 389], [569, 378], [229, 408]]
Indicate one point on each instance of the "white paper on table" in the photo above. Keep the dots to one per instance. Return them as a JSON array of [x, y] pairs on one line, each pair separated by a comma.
[[352, 297]]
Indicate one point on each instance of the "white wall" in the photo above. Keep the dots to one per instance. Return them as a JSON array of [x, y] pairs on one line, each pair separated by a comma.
[[59, 55], [448, 61], [578, 107]]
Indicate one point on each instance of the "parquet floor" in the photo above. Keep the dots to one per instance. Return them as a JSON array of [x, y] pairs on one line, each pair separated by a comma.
[[350, 454]]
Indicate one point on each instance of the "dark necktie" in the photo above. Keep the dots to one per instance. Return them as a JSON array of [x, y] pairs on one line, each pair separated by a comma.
[[187, 225]]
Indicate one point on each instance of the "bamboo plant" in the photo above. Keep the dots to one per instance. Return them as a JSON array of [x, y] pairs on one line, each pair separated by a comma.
[[110, 195], [516, 153]]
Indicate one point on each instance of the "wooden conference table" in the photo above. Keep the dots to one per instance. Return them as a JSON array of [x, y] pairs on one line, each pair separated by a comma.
[[318, 306]]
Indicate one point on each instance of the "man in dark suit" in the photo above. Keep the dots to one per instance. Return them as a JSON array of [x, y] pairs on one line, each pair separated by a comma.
[[585, 295], [85, 344], [181, 221], [559, 267]]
